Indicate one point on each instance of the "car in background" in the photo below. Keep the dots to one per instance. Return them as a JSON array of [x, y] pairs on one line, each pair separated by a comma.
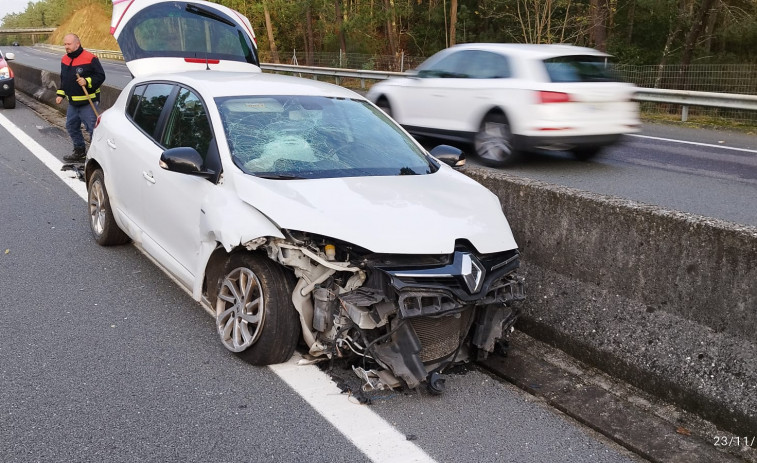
[[15, 44], [295, 209], [508, 99], [7, 82]]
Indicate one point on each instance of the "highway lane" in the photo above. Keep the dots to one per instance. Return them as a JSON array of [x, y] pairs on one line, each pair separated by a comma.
[[104, 358], [707, 172]]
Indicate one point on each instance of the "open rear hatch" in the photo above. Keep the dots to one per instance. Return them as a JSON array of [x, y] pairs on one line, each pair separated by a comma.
[[159, 36]]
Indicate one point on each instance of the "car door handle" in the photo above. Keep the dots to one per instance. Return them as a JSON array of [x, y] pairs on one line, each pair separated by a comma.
[[111, 143], [148, 176]]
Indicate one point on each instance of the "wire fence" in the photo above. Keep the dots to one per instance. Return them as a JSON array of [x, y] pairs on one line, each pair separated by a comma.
[[735, 78]]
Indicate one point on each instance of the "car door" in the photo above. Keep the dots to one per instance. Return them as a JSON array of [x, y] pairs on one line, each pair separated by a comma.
[[173, 201], [451, 94], [131, 146]]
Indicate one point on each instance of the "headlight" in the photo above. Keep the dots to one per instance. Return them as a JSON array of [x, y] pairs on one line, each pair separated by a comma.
[[5, 73]]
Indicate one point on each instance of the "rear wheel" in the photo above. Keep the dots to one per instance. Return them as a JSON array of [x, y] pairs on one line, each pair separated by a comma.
[[9, 102], [255, 317], [586, 153], [494, 141], [101, 222]]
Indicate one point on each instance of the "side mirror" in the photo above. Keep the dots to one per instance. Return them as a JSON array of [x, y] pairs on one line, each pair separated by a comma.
[[184, 160], [9, 56], [449, 155]]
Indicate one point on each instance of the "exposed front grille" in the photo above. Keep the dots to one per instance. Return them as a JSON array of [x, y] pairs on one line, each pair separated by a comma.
[[440, 337]]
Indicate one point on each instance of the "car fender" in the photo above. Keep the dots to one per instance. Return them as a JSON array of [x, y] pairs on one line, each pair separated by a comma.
[[232, 222], [229, 222]]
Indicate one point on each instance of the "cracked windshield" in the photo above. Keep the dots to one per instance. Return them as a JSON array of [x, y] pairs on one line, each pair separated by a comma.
[[309, 137]]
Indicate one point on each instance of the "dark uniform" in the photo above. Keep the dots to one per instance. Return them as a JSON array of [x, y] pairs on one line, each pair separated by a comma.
[[79, 111]]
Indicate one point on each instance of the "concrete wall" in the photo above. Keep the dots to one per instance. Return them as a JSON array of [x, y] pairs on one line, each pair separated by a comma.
[[664, 300]]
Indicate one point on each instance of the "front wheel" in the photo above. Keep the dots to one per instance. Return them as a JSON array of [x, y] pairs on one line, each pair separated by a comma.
[[255, 317], [384, 105], [494, 141], [101, 222]]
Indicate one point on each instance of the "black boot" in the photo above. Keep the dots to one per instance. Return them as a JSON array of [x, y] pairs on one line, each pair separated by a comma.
[[79, 155]]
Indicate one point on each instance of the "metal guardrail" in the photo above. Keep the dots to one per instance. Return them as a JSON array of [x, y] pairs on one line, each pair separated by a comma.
[[655, 95]]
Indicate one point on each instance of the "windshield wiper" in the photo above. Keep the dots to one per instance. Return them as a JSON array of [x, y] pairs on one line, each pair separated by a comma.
[[281, 177]]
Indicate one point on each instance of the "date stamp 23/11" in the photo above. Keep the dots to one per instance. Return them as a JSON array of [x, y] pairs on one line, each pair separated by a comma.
[[734, 441]]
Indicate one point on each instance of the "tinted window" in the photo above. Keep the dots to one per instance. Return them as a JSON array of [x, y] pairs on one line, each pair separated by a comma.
[[485, 65], [136, 97], [451, 65], [188, 124], [151, 105], [580, 69], [179, 29], [316, 137]]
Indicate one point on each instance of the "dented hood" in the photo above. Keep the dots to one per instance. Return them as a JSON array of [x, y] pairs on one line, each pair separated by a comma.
[[410, 214]]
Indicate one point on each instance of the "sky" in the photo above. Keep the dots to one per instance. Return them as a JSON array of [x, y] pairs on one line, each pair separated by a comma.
[[12, 6]]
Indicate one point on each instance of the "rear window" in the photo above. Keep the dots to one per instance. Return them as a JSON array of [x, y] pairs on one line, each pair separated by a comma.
[[179, 29], [580, 69]]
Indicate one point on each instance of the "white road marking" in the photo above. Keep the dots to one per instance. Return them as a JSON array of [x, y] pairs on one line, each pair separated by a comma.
[[709, 145], [52, 163], [370, 433]]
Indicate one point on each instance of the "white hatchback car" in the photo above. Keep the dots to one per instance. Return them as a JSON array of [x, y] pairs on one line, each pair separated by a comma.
[[293, 209], [507, 99]]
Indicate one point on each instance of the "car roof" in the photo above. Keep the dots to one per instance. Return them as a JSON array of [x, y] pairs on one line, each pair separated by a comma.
[[213, 84], [530, 50]]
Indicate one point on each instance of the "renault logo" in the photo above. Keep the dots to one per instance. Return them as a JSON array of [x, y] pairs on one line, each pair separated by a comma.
[[472, 272]]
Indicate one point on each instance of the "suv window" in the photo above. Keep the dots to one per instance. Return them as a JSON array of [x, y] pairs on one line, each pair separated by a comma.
[[150, 106], [188, 124], [469, 64], [580, 68]]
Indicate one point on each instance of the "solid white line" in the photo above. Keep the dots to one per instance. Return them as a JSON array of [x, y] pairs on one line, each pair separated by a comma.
[[709, 145], [370, 433], [47, 159]]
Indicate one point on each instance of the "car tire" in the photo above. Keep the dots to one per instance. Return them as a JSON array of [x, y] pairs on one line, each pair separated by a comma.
[[493, 142], [384, 105], [9, 102], [255, 317], [103, 225], [587, 153]]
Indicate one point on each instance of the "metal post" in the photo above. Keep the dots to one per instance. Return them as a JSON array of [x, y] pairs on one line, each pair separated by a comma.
[[684, 113]]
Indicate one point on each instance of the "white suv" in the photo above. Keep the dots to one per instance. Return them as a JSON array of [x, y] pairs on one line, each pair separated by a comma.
[[294, 209], [508, 99]]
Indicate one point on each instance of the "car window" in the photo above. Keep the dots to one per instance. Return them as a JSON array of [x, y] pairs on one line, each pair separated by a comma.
[[317, 137], [188, 124], [134, 100], [485, 65], [580, 68], [150, 106], [450, 66], [180, 29]]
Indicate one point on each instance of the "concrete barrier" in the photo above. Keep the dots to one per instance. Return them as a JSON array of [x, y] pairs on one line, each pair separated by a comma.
[[664, 300]]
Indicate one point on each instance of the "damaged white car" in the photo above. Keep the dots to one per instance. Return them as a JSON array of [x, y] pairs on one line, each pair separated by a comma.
[[293, 209]]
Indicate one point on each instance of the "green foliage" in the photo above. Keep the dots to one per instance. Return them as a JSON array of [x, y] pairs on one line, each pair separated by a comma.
[[637, 34]]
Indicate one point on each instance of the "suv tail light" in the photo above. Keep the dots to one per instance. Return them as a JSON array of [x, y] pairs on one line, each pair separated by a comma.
[[97, 121], [553, 97]]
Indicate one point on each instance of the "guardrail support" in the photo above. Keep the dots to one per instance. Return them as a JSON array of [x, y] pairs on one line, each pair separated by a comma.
[[684, 113]]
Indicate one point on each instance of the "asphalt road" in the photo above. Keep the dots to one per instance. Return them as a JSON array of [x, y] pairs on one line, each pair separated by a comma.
[[104, 358], [707, 172]]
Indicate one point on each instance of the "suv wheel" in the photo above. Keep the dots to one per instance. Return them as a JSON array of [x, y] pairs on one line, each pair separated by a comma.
[[384, 105], [9, 102], [586, 153], [494, 141], [255, 317]]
